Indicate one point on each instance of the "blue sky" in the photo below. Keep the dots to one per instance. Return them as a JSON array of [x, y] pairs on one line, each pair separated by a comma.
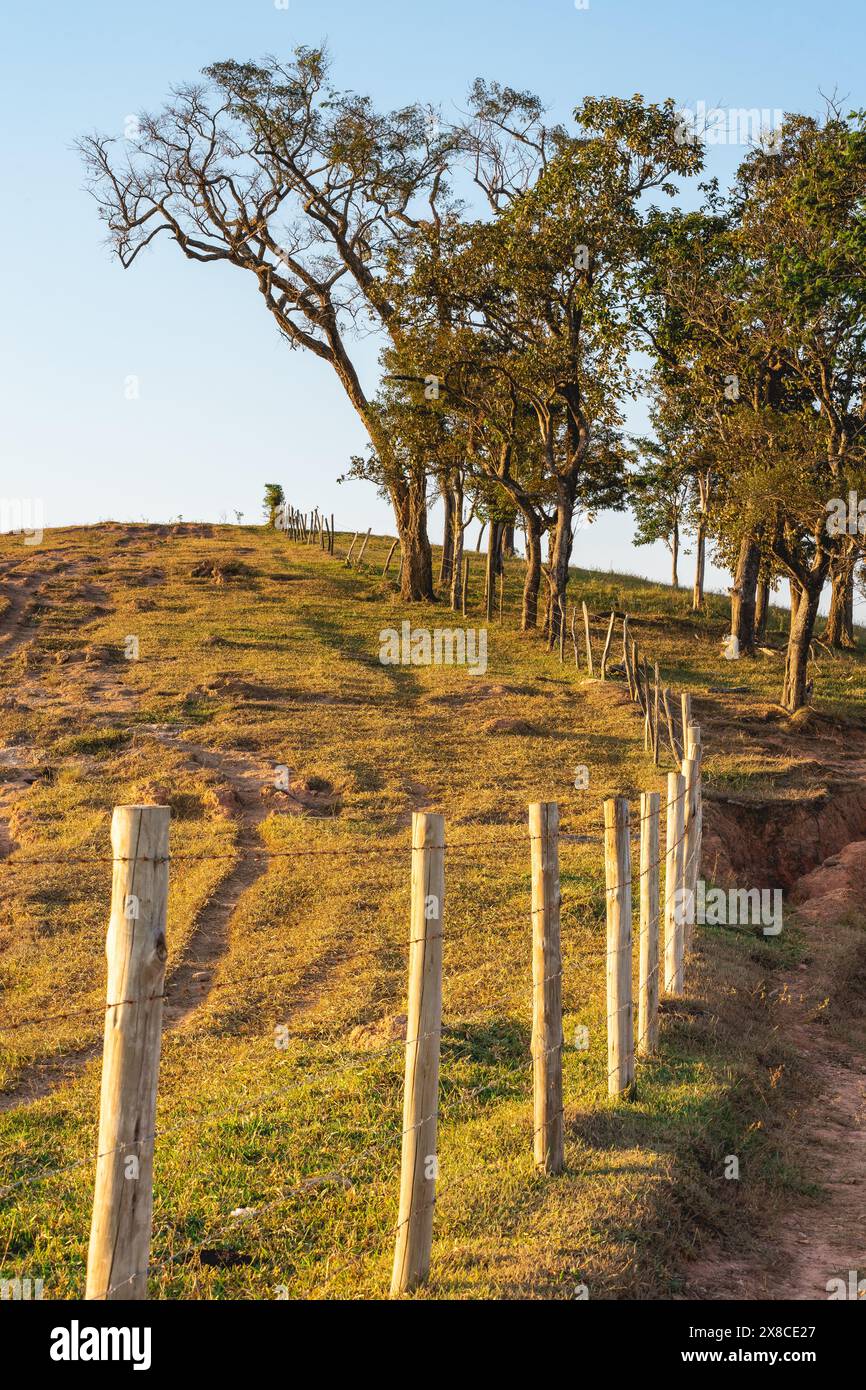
[[224, 406]]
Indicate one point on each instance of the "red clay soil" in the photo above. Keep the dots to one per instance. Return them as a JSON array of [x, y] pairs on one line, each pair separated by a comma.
[[816, 1248]]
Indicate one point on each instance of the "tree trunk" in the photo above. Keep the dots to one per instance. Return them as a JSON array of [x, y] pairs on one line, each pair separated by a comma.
[[447, 533], [762, 607], [704, 485], [743, 594], [410, 508], [675, 557], [529, 614], [508, 550], [700, 566], [560, 555], [457, 546], [494, 565], [839, 631], [794, 691], [795, 592]]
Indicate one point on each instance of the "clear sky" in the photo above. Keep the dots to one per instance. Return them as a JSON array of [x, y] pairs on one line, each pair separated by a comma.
[[223, 404]]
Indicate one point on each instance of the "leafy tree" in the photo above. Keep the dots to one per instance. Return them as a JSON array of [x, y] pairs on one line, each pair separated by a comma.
[[659, 489], [274, 499], [308, 190], [773, 305]]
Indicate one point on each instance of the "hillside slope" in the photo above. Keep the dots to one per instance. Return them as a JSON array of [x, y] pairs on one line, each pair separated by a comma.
[[277, 1165]]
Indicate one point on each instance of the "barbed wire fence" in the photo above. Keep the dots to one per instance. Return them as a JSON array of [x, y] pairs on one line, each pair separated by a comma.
[[119, 1254]]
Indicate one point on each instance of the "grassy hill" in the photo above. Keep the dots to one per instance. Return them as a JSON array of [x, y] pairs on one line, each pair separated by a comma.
[[276, 1166]]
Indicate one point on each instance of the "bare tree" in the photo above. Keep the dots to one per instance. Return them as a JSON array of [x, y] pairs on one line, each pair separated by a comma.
[[312, 192]]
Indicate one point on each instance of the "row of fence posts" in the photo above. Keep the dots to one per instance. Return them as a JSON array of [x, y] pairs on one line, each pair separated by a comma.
[[309, 527], [136, 950], [646, 691]]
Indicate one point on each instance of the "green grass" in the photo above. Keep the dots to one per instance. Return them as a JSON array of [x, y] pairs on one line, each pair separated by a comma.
[[282, 664]]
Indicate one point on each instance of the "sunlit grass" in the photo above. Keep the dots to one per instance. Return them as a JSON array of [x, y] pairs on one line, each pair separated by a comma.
[[282, 664]]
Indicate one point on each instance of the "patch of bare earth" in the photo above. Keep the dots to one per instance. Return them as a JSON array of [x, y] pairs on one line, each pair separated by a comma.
[[821, 1013]]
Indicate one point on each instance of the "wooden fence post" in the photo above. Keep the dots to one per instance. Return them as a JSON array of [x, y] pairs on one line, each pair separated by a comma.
[[626, 660], [588, 638], [387, 564], [669, 720], [548, 1139], [673, 885], [648, 988], [607, 643], [656, 717], [418, 1164], [620, 1021], [692, 827], [363, 548], [465, 592], [635, 663], [686, 705], [689, 867], [135, 946]]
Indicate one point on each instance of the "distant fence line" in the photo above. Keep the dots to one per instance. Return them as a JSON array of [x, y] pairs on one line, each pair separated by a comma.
[[653, 698]]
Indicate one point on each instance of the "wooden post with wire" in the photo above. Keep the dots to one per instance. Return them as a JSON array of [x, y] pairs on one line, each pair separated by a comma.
[[656, 697], [692, 825], [547, 1039], [608, 640], [119, 1249], [588, 638], [648, 986], [387, 564], [418, 1164], [363, 548], [620, 1020], [691, 773], [673, 886], [669, 721], [686, 707]]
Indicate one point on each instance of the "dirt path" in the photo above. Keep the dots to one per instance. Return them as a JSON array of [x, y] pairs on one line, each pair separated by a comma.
[[244, 781], [824, 1239], [20, 590], [189, 984]]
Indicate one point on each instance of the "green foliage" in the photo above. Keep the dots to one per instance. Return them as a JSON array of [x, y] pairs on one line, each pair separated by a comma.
[[274, 499]]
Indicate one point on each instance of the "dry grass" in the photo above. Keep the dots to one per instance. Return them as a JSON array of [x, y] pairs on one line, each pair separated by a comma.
[[268, 650]]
